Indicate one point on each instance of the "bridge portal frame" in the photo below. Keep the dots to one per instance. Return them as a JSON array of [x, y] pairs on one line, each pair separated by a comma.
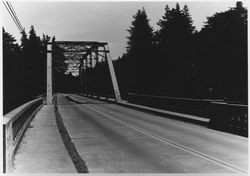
[[86, 53]]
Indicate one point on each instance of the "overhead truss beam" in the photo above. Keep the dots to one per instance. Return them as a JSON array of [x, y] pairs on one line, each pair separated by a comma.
[[81, 55]]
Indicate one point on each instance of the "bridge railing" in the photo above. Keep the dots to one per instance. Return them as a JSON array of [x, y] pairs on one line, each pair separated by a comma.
[[14, 125], [224, 116], [229, 117], [197, 107]]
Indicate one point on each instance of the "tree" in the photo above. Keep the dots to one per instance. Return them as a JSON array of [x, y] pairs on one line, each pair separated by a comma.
[[141, 33], [223, 46], [139, 51], [11, 52], [161, 35], [36, 63], [174, 42], [24, 68], [176, 26], [33, 64]]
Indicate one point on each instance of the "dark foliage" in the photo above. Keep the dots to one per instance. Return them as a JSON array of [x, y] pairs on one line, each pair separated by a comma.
[[24, 69], [11, 72], [223, 53], [175, 50], [174, 61], [139, 50], [98, 79], [141, 33], [179, 61], [33, 57], [66, 83]]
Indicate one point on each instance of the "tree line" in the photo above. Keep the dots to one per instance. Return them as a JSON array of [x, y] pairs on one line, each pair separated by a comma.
[[175, 60], [179, 61], [24, 68]]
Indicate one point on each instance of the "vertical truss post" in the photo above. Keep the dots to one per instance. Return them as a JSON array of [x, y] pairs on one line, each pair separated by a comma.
[[84, 75], [91, 73], [49, 74], [94, 62], [112, 73], [96, 55], [80, 76], [90, 60]]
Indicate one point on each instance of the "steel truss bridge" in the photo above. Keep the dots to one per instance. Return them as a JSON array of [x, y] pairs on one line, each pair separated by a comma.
[[80, 55], [73, 133]]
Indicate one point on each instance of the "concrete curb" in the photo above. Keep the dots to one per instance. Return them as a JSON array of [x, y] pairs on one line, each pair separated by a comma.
[[169, 114]]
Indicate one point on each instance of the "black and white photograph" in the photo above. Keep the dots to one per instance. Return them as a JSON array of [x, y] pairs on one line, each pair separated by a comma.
[[124, 87]]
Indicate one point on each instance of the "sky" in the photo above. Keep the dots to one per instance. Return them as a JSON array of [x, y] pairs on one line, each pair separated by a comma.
[[98, 21]]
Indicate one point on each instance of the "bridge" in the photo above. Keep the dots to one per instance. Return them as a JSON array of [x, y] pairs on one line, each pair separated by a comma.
[[92, 132]]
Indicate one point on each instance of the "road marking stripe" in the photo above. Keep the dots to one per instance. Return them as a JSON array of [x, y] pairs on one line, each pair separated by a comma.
[[164, 140]]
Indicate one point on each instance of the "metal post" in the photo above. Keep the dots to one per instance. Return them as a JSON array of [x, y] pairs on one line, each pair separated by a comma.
[[96, 55], [90, 73], [113, 76], [84, 75], [49, 74], [90, 60], [80, 76]]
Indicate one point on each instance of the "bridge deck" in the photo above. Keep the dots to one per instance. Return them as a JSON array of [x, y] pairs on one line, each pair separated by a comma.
[[114, 139]]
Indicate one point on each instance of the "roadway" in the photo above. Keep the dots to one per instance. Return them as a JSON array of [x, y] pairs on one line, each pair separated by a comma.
[[115, 139]]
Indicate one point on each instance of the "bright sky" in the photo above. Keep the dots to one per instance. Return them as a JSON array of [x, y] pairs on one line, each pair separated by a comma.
[[98, 21]]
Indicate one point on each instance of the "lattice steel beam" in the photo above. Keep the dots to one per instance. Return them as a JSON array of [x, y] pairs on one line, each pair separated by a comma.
[[82, 54]]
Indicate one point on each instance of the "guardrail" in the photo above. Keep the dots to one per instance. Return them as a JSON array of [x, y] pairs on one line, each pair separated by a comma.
[[224, 116], [228, 117], [199, 107], [14, 125]]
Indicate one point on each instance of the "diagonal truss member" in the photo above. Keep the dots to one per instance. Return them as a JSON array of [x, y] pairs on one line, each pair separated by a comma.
[[85, 54]]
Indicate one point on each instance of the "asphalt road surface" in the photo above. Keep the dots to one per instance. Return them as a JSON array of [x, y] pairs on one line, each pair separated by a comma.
[[115, 139]]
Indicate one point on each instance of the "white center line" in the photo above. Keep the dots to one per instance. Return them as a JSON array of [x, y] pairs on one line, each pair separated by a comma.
[[167, 141]]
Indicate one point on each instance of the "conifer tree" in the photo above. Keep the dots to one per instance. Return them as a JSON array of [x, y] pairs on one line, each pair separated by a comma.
[[139, 50], [174, 43], [141, 33], [11, 52], [224, 38], [175, 26]]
